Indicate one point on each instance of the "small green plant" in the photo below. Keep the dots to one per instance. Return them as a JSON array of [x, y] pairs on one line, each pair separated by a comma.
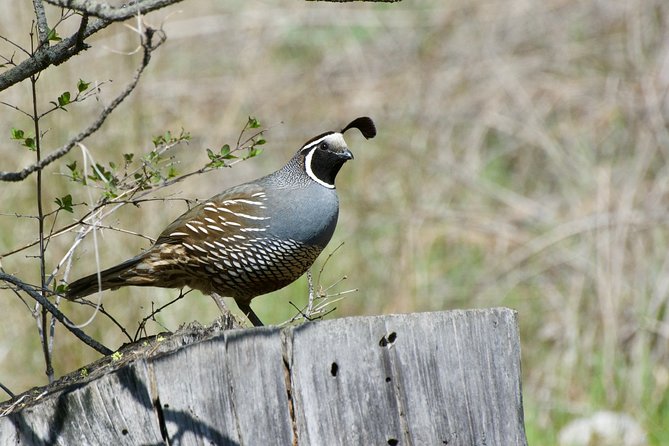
[[249, 143]]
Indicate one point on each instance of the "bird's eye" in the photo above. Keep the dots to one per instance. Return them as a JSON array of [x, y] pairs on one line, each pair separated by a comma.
[[324, 146]]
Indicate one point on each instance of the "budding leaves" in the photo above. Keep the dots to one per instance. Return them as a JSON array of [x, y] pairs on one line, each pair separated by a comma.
[[82, 86], [64, 99], [219, 159], [65, 203], [52, 35], [24, 139], [253, 123]]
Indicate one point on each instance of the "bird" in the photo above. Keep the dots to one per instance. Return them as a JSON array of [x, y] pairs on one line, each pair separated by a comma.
[[250, 239]]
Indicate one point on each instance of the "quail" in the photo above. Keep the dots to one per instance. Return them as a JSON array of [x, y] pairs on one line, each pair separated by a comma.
[[249, 240]]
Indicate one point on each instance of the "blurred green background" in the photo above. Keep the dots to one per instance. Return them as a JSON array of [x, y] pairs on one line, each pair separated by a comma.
[[521, 161]]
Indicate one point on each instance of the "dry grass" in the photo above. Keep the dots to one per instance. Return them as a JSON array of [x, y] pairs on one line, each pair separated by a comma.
[[521, 161]]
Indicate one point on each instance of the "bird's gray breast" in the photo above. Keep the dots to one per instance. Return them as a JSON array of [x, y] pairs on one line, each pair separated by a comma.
[[306, 214]]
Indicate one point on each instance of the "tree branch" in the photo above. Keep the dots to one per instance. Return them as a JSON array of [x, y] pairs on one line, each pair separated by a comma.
[[105, 11], [51, 55], [42, 25], [51, 308], [22, 174]]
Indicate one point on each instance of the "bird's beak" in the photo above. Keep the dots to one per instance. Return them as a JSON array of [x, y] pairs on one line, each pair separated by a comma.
[[347, 154]]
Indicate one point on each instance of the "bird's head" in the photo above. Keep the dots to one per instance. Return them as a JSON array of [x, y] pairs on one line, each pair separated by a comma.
[[324, 154]]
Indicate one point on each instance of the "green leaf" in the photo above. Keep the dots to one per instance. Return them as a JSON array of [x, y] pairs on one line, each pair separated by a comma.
[[64, 99], [75, 174], [65, 203], [226, 153], [212, 156], [260, 142], [253, 151], [26, 141], [53, 36], [61, 288], [184, 136], [152, 157], [127, 157], [253, 123], [17, 133], [82, 86], [30, 144]]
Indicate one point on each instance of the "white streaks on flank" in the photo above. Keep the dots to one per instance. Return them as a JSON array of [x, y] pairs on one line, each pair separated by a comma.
[[215, 228], [210, 220], [253, 229], [199, 248], [243, 201], [188, 246], [210, 207], [239, 214], [177, 234], [259, 194], [191, 227], [203, 230]]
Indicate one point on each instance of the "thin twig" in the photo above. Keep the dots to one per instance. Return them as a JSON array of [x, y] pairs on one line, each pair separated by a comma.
[[16, 45], [142, 324], [14, 107], [53, 156], [53, 55], [35, 294], [102, 310]]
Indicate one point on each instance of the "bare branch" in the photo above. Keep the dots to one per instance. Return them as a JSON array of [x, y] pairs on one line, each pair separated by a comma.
[[152, 316], [51, 308], [148, 48], [104, 10], [42, 25], [52, 55], [99, 307]]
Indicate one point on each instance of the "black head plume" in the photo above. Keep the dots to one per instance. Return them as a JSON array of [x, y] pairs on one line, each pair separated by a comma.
[[364, 124]]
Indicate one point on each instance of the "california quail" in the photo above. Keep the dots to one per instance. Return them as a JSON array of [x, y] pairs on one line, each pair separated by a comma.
[[250, 239]]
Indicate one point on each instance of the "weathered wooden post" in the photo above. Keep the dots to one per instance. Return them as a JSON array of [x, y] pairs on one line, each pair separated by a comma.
[[444, 378]]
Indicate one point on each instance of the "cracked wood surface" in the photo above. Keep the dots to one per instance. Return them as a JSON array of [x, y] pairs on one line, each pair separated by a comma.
[[417, 379]]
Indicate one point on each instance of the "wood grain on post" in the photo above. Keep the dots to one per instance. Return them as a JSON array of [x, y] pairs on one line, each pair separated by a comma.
[[443, 378]]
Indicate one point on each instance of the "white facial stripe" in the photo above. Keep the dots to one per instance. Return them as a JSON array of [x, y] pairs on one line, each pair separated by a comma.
[[315, 143], [307, 167], [336, 140]]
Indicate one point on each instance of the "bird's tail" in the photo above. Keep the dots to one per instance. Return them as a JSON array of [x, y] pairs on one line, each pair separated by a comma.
[[126, 273]]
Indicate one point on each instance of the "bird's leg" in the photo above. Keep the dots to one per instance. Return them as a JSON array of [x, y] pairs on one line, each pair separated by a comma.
[[246, 309], [220, 303]]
